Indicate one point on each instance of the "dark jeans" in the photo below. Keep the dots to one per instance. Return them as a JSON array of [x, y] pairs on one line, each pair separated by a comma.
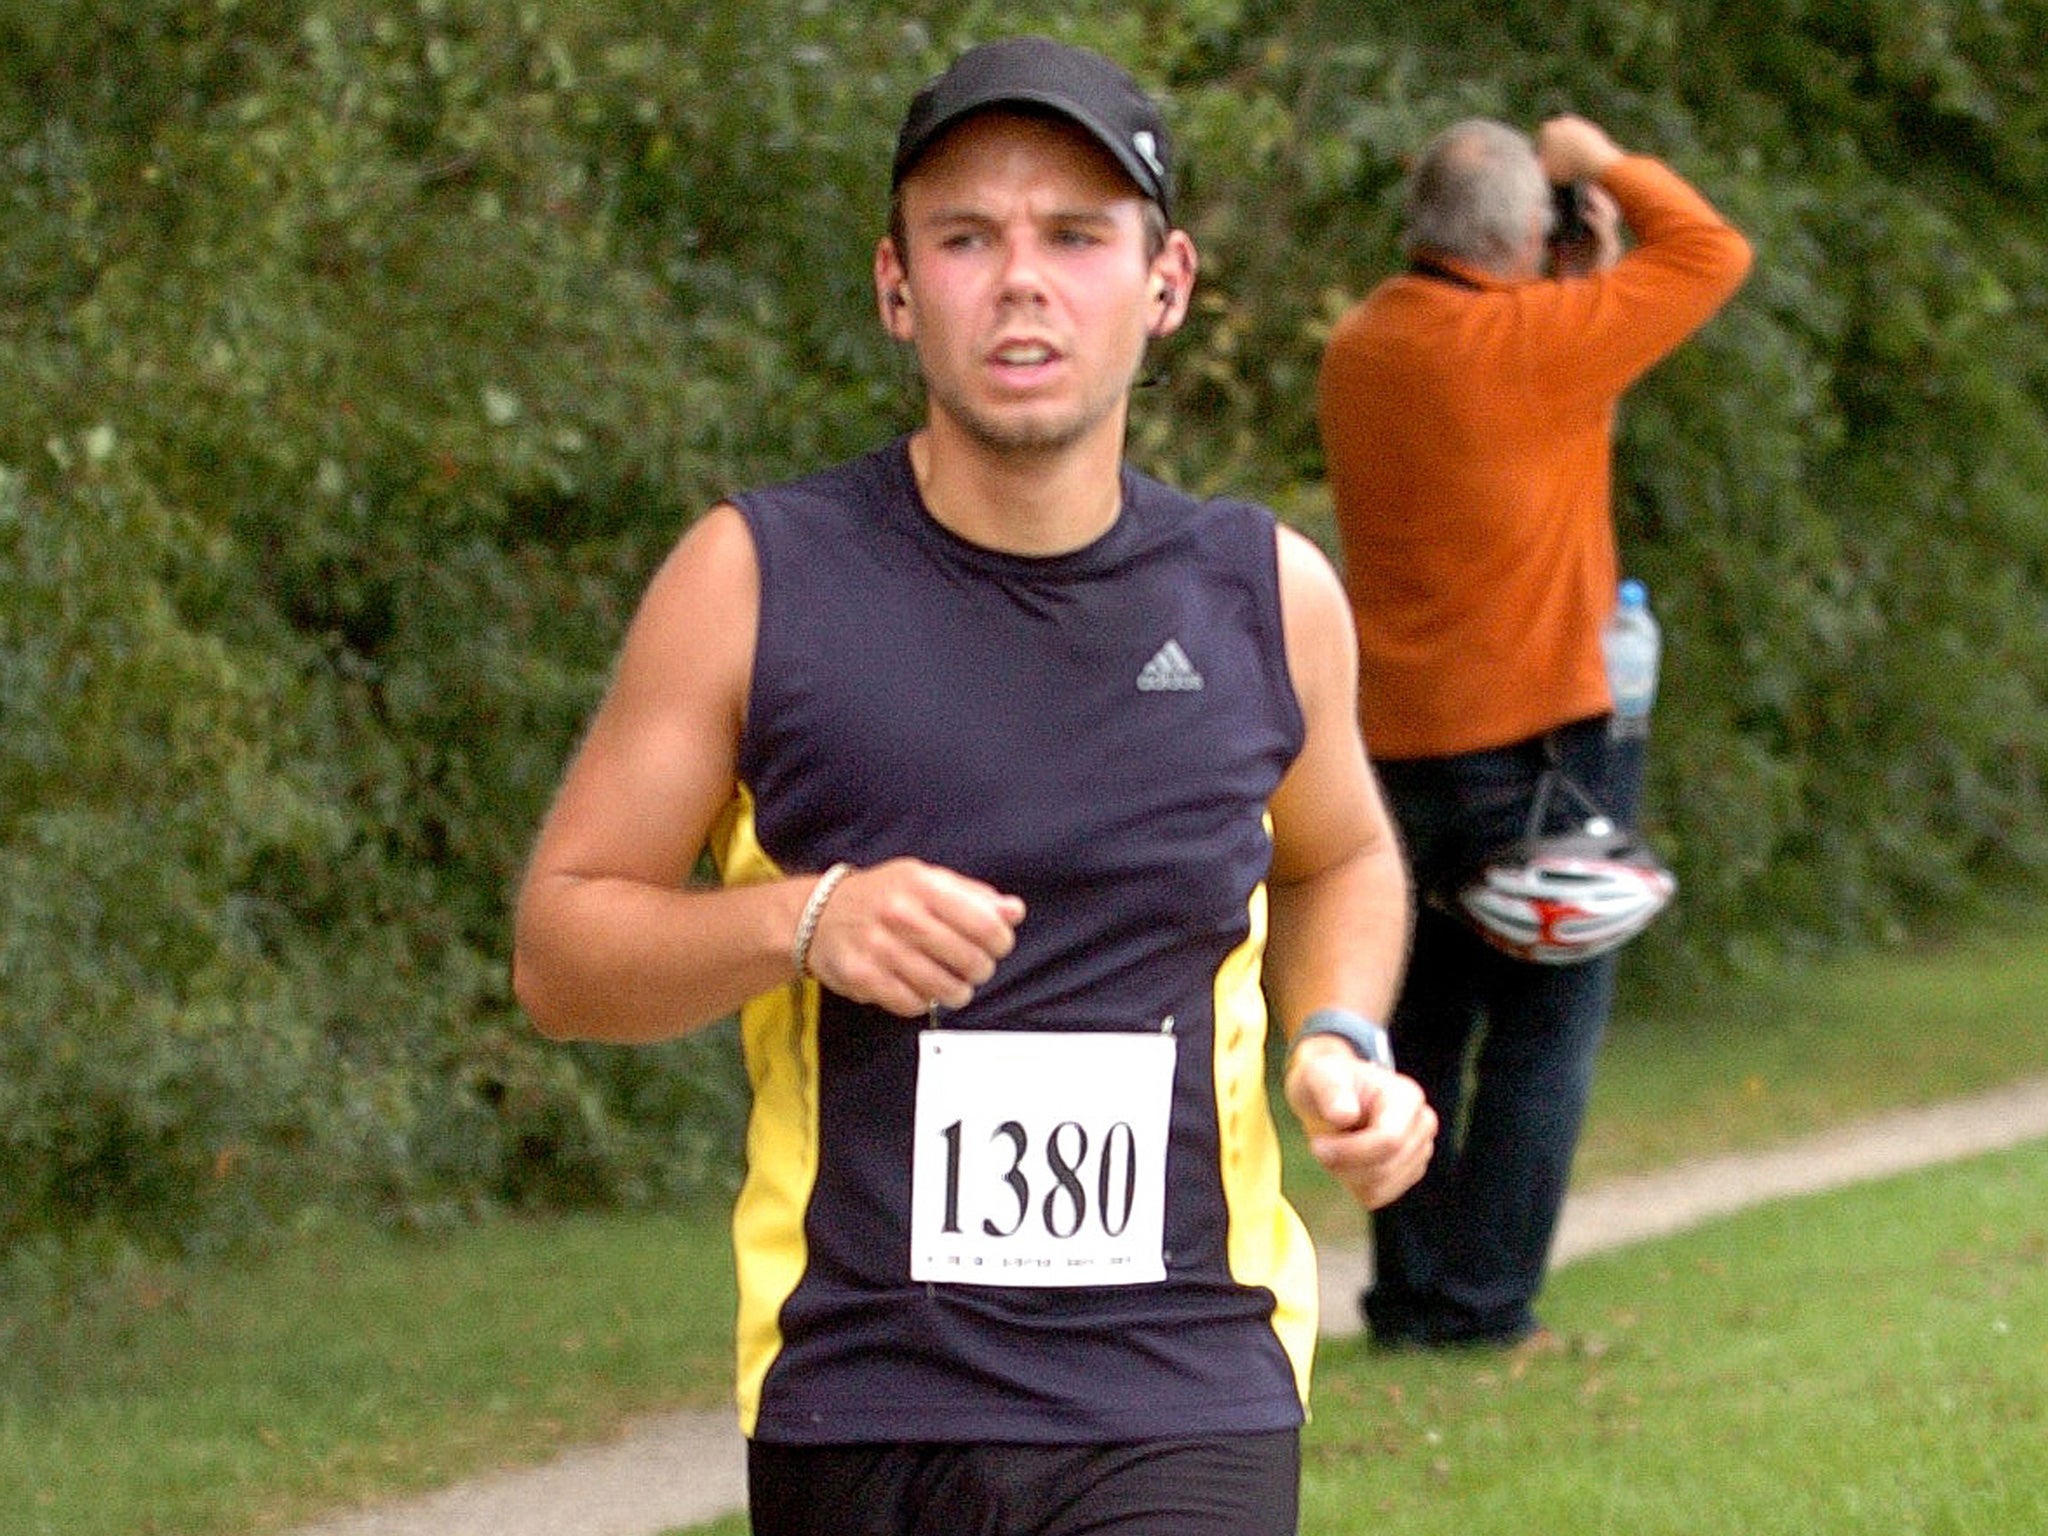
[[1503, 1048]]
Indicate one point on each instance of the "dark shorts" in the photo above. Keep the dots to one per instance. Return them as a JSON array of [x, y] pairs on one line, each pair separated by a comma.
[[1248, 1485]]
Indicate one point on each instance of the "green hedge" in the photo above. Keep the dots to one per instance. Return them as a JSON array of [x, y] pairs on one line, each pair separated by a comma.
[[362, 357]]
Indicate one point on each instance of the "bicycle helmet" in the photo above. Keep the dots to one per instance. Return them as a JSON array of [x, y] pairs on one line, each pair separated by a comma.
[[1568, 896], [1556, 898]]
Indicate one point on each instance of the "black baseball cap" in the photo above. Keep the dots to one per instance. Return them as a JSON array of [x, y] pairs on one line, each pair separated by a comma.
[[1036, 72]]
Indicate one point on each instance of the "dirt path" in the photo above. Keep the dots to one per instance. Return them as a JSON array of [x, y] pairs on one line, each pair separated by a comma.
[[682, 1469]]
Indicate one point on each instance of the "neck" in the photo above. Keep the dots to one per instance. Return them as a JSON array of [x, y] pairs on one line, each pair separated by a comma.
[[1034, 502], [1522, 265]]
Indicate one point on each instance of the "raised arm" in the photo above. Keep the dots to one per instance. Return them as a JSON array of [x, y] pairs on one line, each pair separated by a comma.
[[1685, 263]]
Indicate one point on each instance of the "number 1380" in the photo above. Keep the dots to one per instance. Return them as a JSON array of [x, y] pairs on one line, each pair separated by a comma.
[[1066, 1179]]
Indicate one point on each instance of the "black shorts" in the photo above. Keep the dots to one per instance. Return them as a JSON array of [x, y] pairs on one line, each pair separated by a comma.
[[1248, 1485]]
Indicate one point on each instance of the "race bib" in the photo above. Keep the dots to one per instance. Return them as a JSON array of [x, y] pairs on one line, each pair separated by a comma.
[[1040, 1158]]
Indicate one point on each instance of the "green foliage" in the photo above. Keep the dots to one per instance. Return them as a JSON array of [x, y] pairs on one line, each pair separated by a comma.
[[362, 357], [153, 1058], [333, 388]]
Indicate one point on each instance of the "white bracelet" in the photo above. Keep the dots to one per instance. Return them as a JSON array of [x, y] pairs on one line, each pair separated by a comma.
[[814, 908]]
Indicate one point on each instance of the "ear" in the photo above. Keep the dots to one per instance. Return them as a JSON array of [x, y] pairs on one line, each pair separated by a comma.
[[1173, 283], [892, 291]]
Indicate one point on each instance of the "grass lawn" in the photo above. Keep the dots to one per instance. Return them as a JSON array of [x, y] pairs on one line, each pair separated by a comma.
[[1891, 1339], [246, 1398], [1820, 1046], [1873, 1361]]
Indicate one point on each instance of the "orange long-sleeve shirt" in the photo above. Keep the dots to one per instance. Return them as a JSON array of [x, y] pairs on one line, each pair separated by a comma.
[[1467, 433]]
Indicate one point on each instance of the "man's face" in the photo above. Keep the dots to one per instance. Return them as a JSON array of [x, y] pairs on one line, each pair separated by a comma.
[[1029, 290]]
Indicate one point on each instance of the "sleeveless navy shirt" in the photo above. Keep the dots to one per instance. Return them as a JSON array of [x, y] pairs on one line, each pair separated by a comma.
[[1098, 733]]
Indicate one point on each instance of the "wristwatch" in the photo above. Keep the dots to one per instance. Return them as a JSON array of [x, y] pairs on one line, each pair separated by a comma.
[[1365, 1037]]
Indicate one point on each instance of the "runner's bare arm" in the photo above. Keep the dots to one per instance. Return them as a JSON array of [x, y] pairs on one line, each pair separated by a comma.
[[1340, 908]]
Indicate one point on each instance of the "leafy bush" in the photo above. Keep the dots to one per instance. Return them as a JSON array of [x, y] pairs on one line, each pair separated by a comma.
[[363, 356]]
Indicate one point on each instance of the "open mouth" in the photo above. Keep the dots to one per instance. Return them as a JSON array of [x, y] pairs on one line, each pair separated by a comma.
[[1024, 355]]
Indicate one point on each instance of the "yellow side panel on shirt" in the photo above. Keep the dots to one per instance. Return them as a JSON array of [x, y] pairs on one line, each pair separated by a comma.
[[779, 1035], [1269, 1246]]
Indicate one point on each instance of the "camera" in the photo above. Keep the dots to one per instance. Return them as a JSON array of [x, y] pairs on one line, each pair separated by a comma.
[[1573, 243], [1570, 227]]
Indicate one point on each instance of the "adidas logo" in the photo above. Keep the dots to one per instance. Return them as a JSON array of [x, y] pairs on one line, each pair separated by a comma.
[[1170, 671]]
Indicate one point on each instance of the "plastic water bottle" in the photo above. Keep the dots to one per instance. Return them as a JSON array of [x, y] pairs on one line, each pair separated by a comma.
[[1632, 645]]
